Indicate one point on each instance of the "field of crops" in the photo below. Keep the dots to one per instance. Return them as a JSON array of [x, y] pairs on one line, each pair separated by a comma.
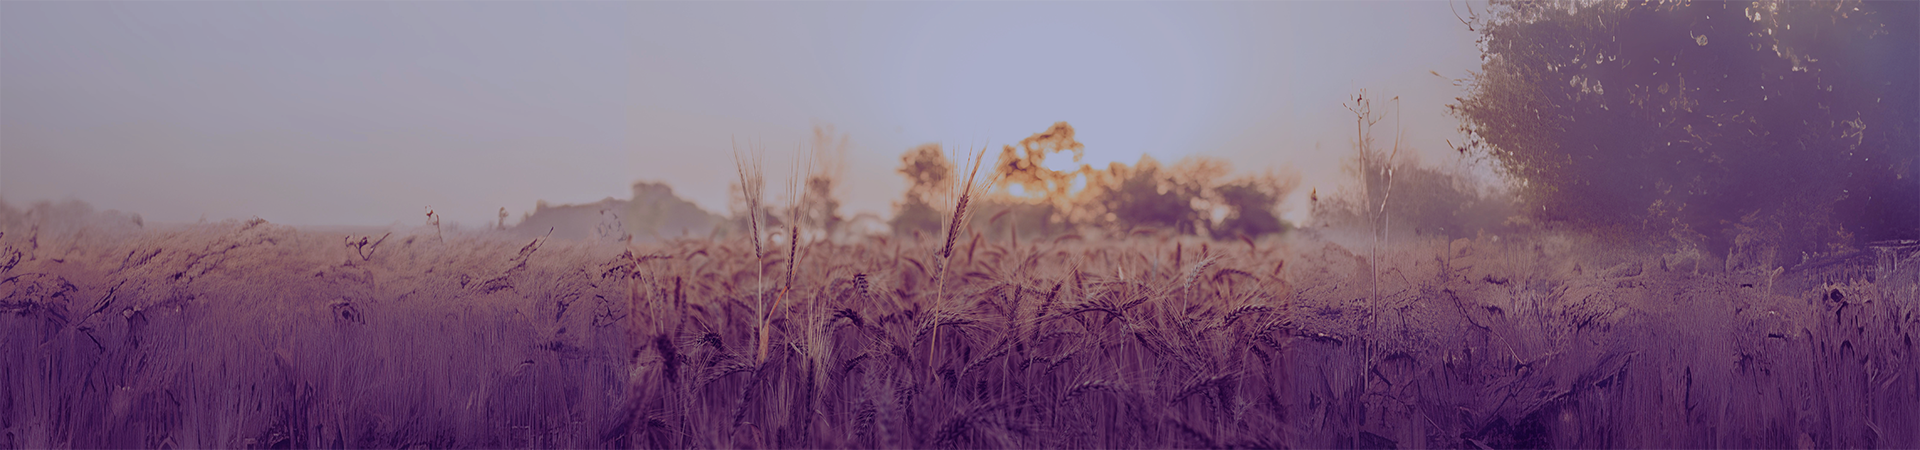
[[252, 334]]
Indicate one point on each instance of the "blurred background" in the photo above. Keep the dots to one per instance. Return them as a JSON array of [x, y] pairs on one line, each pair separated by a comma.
[[1713, 125], [367, 113]]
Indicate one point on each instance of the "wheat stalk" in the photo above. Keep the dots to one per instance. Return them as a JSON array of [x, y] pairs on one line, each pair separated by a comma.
[[946, 251], [750, 181]]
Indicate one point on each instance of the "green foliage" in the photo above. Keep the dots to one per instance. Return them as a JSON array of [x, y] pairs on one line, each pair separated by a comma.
[[1690, 118]]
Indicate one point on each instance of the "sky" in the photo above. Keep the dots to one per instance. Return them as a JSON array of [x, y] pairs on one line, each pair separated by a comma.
[[367, 113]]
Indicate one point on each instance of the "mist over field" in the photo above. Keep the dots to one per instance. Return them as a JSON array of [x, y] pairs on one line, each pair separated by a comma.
[[930, 225]]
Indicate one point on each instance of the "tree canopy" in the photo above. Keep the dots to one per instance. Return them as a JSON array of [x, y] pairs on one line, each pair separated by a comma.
[[1196, 195], [1705, 120]]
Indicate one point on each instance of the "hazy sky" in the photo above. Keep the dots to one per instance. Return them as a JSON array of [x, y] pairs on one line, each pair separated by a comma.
[[363, 113]]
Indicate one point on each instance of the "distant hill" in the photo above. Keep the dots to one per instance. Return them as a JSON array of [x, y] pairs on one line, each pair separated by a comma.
[[653, 213], [65, 217]]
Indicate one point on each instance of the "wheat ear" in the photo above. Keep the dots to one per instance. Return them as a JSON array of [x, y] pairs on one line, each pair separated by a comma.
[[946, 253]]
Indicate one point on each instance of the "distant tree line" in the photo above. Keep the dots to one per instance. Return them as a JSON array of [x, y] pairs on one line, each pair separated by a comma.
[[1194, 196]]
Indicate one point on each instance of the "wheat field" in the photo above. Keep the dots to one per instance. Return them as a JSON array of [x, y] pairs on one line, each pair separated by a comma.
[[252, 334]]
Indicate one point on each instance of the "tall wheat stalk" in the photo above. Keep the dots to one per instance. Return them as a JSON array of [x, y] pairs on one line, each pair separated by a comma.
[[946, 252], [796, 213], [751, 181]]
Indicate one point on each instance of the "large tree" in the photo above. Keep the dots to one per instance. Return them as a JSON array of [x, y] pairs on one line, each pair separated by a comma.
[[928, 174], [1706, 120], [819, 207]]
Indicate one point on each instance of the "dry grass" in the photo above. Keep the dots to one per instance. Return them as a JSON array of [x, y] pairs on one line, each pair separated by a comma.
[[256, 335]]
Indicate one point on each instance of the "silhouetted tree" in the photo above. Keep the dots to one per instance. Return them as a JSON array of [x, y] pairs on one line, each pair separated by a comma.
[[1253, 205], [1022, 165], [928, 174], [820, 207], [1123, 197], [1699, 119]]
